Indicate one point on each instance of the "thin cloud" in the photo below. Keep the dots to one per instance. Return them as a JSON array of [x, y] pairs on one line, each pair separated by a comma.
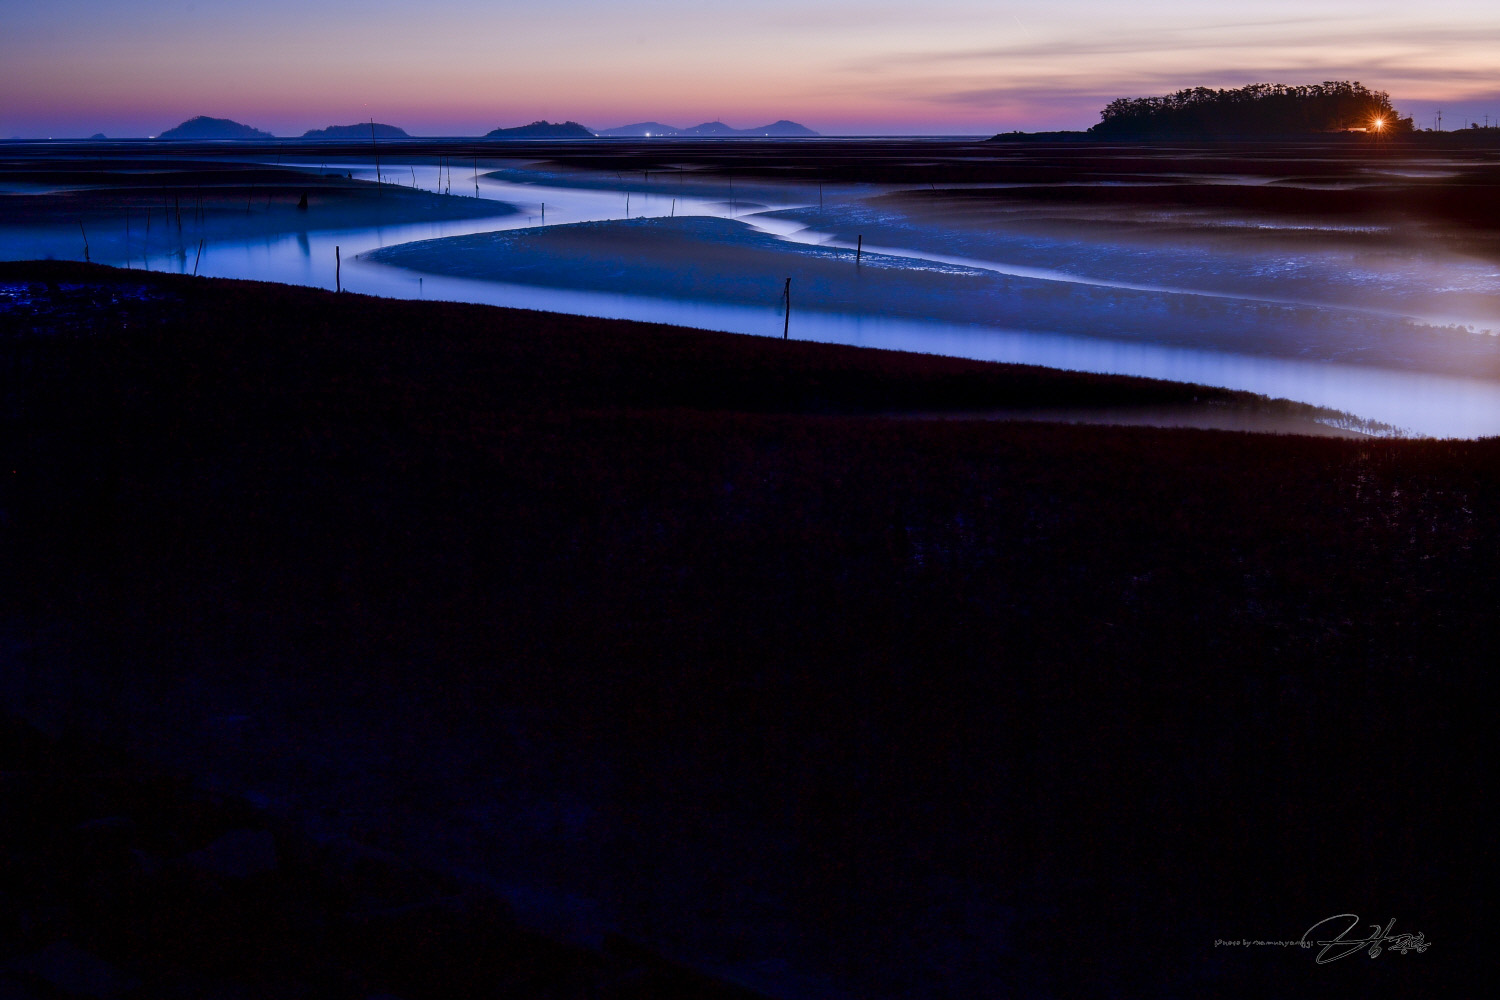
[[1410, 43]]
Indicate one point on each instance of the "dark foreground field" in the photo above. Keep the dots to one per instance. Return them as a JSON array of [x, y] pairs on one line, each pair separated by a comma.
[[639, 650]]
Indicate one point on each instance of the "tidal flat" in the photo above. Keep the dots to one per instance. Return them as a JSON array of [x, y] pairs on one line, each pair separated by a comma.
[[1352, 277], [355, 645], [657, 655]]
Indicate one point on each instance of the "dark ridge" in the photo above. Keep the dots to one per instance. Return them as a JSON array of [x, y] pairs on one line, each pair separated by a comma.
[[778, 129], [542, 130], [641, 130], [203, 127], [359, 130], [1042, 137]]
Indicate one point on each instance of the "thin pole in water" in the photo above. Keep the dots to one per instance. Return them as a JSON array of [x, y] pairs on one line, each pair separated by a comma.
[[376, 150], [338, 270], [786, 324], [859, 248], [197, 258], [85, 240]]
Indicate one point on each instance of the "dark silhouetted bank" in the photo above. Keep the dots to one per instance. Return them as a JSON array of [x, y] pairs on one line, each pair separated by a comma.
[[542, 130], [204, 127], [359, 130]]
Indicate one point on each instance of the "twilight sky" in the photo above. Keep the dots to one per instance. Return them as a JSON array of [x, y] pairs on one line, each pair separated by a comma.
[[462, 67]]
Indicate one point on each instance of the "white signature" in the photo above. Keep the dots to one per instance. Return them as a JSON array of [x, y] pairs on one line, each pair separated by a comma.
[[1341, 945]]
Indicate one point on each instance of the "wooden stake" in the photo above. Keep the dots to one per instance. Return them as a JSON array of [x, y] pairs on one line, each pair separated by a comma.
[[85, 240], [859, 249], [338, 269], [197, 258], [786, 323]]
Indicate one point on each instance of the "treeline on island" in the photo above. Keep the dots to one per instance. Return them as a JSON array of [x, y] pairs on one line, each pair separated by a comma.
[[1257, 110]]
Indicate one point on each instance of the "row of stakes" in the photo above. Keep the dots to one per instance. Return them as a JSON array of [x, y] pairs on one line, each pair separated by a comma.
[[338, 262]]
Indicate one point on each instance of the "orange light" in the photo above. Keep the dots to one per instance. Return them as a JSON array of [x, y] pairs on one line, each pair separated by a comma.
[[1379, 123]]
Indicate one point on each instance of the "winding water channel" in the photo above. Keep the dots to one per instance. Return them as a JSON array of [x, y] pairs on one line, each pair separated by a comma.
[[1296, 289]]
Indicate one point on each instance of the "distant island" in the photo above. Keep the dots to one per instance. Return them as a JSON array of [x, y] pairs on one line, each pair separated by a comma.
[[1261, 109], [779, 129], [542, 130], [204, 127], [1041, 137], [360, 130]]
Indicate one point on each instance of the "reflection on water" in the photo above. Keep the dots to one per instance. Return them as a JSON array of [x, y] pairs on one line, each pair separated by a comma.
[[1424, 404], [1293, 271]]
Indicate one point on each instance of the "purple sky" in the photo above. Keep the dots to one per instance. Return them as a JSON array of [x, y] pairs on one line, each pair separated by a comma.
[[462, 67]]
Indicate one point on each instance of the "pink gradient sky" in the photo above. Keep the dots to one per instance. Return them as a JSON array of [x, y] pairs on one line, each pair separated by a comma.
[[462, 67]]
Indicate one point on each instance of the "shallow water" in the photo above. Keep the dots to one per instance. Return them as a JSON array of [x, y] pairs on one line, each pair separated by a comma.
[[1283, 268]]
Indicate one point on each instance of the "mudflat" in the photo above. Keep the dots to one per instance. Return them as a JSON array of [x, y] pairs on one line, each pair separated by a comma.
[[114, 208], [681, 638]]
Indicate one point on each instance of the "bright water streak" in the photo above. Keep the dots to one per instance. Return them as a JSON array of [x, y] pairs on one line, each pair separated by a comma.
[[1423, 404]]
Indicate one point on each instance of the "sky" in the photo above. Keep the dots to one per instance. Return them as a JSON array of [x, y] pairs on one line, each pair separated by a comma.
[[71, 68]]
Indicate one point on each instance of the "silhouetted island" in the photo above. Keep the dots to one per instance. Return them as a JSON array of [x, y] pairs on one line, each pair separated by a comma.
[[1064, 136], [641, 130], [780, 129], [204, 127], [1260, 109], [359, 130], [542, 130]]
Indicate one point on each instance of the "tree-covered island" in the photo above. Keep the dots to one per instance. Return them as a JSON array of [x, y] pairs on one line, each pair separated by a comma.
[[1260, 109]]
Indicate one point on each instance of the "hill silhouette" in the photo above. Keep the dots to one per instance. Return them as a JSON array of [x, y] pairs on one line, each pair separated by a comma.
[[715, 129], [1256, 110], [204, 127], [542, 130], [360, 130], [642, 129]]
